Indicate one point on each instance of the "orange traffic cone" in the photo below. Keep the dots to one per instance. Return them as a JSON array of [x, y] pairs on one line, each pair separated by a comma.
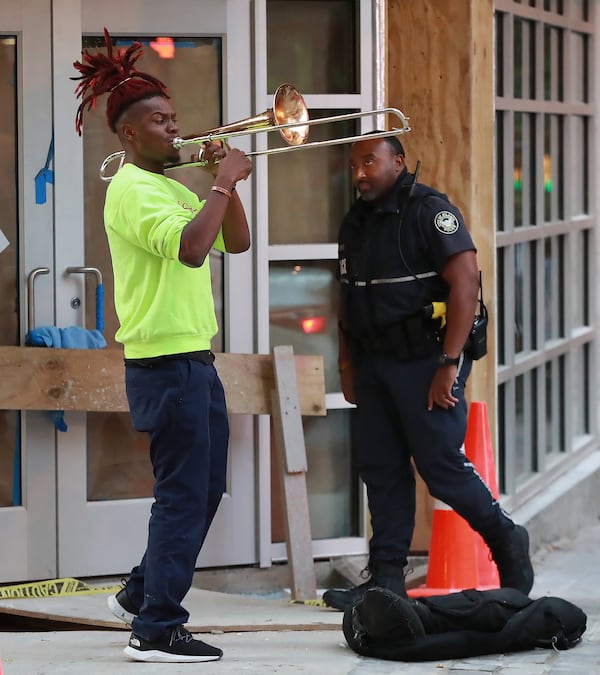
[[478, 448], [452, 555], [458, 556]]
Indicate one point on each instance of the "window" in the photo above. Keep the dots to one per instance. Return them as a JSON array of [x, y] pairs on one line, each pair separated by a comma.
[[314, 45], [544, 234]]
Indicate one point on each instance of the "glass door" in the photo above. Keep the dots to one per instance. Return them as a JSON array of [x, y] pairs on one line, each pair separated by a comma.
[[308, 194], [27, 458], [104, 472]]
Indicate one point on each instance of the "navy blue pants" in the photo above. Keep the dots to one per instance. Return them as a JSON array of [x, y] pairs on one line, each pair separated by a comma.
[[181, 404], [393, 426]]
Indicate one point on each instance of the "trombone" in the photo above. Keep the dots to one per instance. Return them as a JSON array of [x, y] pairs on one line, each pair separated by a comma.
[[289, 116]]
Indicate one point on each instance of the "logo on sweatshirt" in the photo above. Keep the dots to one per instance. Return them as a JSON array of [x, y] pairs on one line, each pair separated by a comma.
[[187, 207]]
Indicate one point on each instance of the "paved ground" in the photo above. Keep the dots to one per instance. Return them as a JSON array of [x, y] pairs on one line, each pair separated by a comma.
[[570, 569]]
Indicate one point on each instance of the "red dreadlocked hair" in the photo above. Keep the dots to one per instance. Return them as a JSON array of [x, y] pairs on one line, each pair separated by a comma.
[[114, 74]]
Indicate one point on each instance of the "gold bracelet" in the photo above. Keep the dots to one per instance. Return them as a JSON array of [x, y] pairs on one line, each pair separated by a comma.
[[222, 190]]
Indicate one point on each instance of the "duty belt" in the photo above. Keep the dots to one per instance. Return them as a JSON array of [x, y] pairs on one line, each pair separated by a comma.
[[410, 339]]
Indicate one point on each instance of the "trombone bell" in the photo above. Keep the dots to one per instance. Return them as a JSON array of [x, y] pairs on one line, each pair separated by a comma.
[[288, 108]]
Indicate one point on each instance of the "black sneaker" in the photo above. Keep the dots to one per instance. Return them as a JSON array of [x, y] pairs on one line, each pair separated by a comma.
[[178, 646], [122, 607], [511, 555], [383, 575]]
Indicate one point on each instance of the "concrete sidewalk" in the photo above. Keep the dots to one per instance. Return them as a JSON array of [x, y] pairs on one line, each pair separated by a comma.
[[294, 639]]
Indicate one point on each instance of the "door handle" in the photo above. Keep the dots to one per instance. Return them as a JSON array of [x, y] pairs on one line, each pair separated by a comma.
[[99, 292], [87, 270], [31, 294]]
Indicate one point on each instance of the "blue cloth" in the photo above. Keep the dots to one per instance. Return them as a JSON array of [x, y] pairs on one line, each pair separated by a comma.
[[73, 337], [44, 175]]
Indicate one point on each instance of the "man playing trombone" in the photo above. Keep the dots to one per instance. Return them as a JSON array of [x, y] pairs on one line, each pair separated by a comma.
[[160, 234]]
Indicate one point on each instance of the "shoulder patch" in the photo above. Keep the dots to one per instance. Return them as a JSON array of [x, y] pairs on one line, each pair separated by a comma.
[[445, 222]]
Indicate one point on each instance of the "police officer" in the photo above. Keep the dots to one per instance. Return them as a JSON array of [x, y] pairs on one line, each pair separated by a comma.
[[404, 252]]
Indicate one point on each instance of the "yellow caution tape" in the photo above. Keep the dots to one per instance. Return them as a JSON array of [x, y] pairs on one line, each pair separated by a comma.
[[315, 603], [53, 588]]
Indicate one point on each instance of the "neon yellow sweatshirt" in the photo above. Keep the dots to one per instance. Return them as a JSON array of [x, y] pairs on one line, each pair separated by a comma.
[[163, 306]]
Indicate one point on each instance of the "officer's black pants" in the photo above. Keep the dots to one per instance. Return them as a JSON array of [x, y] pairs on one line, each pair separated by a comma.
[[393, 425]]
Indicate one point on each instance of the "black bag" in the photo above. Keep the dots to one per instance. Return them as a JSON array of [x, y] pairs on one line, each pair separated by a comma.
[[470, 623]]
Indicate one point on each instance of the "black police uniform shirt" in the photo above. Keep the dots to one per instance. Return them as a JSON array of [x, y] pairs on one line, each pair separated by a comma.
[[390, 270]]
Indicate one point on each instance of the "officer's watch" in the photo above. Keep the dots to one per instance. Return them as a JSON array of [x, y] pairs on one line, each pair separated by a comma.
[[445, 360]]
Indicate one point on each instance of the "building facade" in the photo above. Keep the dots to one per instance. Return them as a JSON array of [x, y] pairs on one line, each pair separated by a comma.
[[502, 100]]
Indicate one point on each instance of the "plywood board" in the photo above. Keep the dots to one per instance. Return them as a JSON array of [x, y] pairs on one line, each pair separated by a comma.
[[33, 378], [209, 611]]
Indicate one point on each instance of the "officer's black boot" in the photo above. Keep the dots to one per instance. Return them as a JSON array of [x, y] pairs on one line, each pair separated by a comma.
[[383, 575], [511, 555]]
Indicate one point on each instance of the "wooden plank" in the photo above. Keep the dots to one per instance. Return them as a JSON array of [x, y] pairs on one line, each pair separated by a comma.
[[249, 380], [288, 407], [298, 538], [209, 611], [36, 378]]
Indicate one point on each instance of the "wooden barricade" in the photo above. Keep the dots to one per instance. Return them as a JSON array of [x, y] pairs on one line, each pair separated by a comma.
[[282, 385]]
